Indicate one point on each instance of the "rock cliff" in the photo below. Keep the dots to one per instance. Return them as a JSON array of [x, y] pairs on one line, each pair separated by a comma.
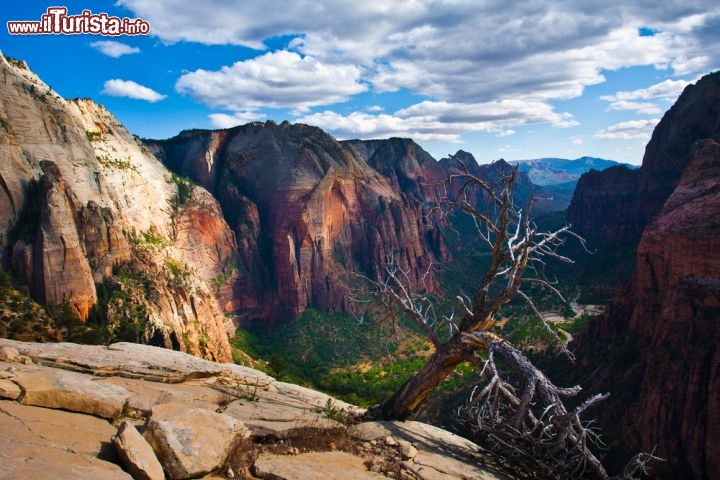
[[309, 212], [72, 411], [91, 221], [616, 204], [656, 347]]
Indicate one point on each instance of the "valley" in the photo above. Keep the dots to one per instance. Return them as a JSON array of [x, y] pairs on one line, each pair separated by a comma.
[[261, 245]]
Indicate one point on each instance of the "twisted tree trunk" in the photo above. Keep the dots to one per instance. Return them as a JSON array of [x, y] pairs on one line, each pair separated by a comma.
[[408, 398]]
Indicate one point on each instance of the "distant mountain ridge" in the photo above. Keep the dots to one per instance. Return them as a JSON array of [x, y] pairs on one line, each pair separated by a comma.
[[558, 171]]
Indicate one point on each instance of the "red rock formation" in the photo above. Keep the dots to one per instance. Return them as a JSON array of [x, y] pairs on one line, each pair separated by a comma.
[[615, 205], [656, 348], [308, 212]]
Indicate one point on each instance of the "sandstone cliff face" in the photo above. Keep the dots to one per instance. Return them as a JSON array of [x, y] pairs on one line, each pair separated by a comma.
[[615, 205], [409, 168], [656, 348], [80, 199], [309, 212]]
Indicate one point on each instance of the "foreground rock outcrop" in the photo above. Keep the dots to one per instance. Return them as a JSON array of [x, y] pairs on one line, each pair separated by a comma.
[[183, 417], [656, 347], [94, 225]]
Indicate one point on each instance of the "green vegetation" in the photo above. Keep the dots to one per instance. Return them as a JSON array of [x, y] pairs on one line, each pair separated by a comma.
[[93, 136], [184, 193], [230, 266], [72, 328], [577, 324], [122, 308], [116, 163], [178, 274], [37, 94], [336, 353], [119, 315], [149, 239], [20, 317], [17, 63]]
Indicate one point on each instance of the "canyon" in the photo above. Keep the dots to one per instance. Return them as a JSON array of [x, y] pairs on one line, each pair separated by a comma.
[[176, 242], [656, 347]]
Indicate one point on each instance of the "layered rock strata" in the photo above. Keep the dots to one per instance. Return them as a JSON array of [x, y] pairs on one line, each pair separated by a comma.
[[91, 222]]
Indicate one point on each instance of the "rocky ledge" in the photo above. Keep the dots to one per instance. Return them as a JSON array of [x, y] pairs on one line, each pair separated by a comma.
[[125, 411]]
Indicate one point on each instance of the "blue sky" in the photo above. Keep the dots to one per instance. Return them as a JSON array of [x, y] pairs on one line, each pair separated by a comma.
[[500, 79]]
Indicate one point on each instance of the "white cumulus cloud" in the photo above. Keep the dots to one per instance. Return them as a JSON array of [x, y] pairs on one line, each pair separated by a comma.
[[114, 49], [279, 79], [440, 121], [127, 88], [641, 100], [458, 53], [223, 120], [630, 130]]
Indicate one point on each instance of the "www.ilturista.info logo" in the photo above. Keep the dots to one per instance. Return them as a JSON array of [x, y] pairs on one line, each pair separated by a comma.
[[57, 22]]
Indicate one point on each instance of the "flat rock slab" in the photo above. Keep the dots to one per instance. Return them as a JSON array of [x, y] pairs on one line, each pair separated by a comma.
[[66, 430], [313, 466], [419, 434], [144, 395], [435, 466], [271, 418], [129, 360], [190, 442], [46, 387], [440, 455], [42, 444]]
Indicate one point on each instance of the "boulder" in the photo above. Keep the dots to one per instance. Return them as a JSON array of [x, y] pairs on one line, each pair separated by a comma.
[[136, 454], [9, 389], [191, 441]]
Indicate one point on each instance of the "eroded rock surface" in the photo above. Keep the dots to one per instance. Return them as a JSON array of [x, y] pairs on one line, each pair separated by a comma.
[[618, 203], [200, 417], [89, 216], [655, 349]]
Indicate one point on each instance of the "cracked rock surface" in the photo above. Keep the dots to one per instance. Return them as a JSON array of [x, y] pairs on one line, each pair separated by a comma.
[[126, 411]]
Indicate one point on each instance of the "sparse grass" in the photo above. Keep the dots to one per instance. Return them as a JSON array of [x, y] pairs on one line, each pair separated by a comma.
[[17, 63], [340, 415], [93, 136], [179, 274], [116, 163], [149, 238]]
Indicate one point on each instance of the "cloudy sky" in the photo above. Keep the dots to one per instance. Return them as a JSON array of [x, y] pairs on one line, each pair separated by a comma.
[[501, 79]]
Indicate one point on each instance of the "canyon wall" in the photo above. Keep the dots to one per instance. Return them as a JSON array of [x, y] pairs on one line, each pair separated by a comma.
[[616, 204], [92, 221], [309, 212], [656, 347]]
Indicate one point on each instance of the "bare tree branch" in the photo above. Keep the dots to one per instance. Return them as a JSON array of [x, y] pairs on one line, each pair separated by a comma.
[[523, 421]]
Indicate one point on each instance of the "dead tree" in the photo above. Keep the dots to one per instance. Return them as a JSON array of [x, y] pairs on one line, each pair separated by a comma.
[[519, 423]]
